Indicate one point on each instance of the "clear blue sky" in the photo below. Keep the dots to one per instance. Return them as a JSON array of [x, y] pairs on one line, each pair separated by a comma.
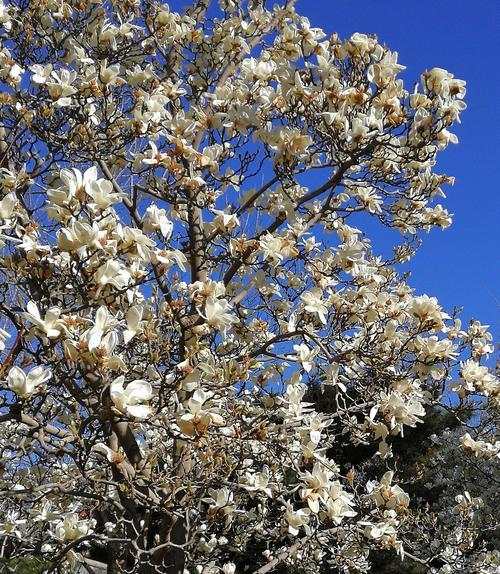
[[459, 265]]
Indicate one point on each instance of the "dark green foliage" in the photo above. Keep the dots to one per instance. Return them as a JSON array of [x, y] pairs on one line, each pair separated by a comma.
[[26, 565]]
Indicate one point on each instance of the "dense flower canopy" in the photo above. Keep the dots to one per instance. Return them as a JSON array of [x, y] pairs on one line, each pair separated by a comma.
[[182, 196]]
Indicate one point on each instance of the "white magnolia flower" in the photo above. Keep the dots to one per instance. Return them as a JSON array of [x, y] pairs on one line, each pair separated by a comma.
[[12, 72], [43, 513], [103, 194], [217, 314], [109, 453], [5, 16], [12, 525], [60, 86], [221, 502], [79, 235], [339, 503], [134, 322], [332, 377], [296, 518], [25, 385], [72, 527], [305, 356], [41, 73], [74, 183], [170, 257], [112, 273], [275, 249], [314, 303], [466, 504], [4, 335], [290, 144], [129, 400], [441, 81], [8, 206], [387, 495], [476, 378], [51, 325], [103, 321], [194, 419], [156, 219], [138, 75], [202, 290], [316, 485], [427, 310], [481, 448], [382, 530], [224, 222], [109, 74]]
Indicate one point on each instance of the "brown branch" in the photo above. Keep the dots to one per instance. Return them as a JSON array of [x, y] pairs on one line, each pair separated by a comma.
[[269, 567]]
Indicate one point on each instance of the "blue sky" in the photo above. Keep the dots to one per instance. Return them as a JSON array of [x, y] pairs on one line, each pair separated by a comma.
[[459, 265]]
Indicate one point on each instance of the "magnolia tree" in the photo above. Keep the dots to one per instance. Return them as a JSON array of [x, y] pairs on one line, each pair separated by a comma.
[[180, 258]]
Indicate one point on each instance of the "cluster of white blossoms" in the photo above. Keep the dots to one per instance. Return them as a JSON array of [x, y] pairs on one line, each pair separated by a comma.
[[180, 264]]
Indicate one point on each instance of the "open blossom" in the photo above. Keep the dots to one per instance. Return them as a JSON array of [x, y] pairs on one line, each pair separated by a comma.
[[51, 325], [4, 335], [427, 309], [296, 518], [12, 524], [109, 74], [387, 495], [112, 273], [476, 378], [217, 314], [7, 206], [316, 485], [71, 527], [25, 385], [102, 193], [370, 199], [481, 448], [466, 504], [221, 502], [74, 184], [442, 82], [134, 322], [5, 16], [10, 71], [339, 503], [156, 219], [259, 482], [305, 356], [351, 256], [290, 144], [384, 530], [103, 321], [80, 236], [275, 249], [195, 419], [202, 290], [400, 410], [429, 348], [170, 257], [224, 222], [60, 86], [314, 304], [130, 399]]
